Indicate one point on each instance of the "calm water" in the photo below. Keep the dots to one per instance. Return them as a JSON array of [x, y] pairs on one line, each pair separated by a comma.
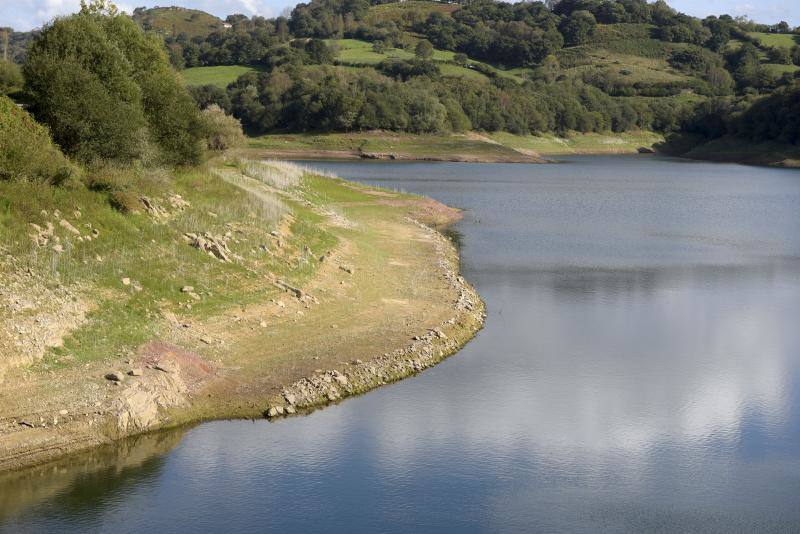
[[639, 371]]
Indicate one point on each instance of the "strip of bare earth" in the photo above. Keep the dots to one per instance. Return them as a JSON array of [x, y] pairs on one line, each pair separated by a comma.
[[385, 303]]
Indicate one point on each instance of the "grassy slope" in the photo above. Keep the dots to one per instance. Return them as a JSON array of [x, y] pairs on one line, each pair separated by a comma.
[[787, 40], [263, 338], [161, 263], [357, 52], [177, 20], [497, 146], [729, 149], [220, 76]]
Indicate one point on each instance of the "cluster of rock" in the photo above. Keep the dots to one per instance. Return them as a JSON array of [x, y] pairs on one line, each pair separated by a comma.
[[214, 245], [45, 234], [34, 316], [156, 210], [424, 351]]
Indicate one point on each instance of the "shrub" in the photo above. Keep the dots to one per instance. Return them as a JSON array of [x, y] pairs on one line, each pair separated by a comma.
[[222, 132], [27, 152], [10, 77], [125, 201]]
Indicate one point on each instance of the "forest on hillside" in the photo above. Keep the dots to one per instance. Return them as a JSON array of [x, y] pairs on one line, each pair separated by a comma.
[[532, 67]]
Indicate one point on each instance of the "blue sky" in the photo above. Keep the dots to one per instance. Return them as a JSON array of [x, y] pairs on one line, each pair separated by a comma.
[[27, 14]]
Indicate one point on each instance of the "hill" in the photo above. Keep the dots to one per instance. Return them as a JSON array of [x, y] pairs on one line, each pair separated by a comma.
[[174, 21]]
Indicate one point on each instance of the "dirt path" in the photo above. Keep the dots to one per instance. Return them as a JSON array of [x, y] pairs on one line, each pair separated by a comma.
[[385, 303]]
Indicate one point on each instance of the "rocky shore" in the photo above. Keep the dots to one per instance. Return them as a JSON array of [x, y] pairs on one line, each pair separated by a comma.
[[425, 350]]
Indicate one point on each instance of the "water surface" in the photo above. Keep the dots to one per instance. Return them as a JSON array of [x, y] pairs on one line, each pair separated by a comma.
[[639, 371]]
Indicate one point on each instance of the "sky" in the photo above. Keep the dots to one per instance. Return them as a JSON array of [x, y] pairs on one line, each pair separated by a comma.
[[24, 15]]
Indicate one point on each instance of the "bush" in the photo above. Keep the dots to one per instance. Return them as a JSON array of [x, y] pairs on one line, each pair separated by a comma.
[[26, 151], [222, 131], [10, 77]]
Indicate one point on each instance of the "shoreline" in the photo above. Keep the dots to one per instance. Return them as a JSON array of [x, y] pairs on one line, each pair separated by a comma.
[[185, 389]]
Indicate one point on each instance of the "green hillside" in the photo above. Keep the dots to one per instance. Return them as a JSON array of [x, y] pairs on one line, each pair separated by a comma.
[[219, 76], [786, 40], [175, 21]]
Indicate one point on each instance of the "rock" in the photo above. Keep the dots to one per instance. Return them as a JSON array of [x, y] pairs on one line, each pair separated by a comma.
[[58, 249], [206, 340], [63, 412], [290, 410], [115, 376], [126, 281], [347, 269], [272, 412], [645, 150], [263, 324], [65, 224], [290, 398], [135, 372], [187, 289]]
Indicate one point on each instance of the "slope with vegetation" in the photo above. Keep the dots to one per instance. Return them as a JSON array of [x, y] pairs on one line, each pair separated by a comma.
[[584, 66], [150, 276]]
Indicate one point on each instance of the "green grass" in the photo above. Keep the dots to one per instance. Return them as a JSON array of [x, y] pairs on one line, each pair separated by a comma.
[[635, 68], [577, 143], [778, 69], [220, 76], [357, 52], [360, 52], [421, 146], [785, 40], [154, 254], [175, 20]]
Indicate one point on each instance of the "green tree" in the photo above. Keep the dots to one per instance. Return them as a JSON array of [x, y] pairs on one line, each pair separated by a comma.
[[460, 59], [81, 86], [424, 49], [130, 98], [578, 27]]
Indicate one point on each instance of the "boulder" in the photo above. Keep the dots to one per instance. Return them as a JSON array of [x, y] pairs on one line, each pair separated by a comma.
[[115, 376]]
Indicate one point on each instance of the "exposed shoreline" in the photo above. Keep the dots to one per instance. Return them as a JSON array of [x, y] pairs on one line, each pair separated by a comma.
[[178, 391]]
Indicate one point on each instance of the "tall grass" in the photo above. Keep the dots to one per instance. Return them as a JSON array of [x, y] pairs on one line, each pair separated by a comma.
[[282, 175]]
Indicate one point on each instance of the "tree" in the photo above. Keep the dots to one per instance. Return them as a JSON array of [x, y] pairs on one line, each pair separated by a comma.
[[578, 27], [424, 49], [460, 59], [130, 98], [104, 119]]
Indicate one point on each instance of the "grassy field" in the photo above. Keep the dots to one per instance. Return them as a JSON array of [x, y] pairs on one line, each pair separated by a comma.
[[220, 76], [632, 67], [777, 39], [357, 52], [497, 146], [398, 145], [579, 143]]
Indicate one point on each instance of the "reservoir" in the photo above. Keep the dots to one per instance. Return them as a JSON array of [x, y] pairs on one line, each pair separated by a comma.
[[639, 371]]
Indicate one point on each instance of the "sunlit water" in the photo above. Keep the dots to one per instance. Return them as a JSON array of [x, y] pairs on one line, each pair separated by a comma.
[[639, 371]]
